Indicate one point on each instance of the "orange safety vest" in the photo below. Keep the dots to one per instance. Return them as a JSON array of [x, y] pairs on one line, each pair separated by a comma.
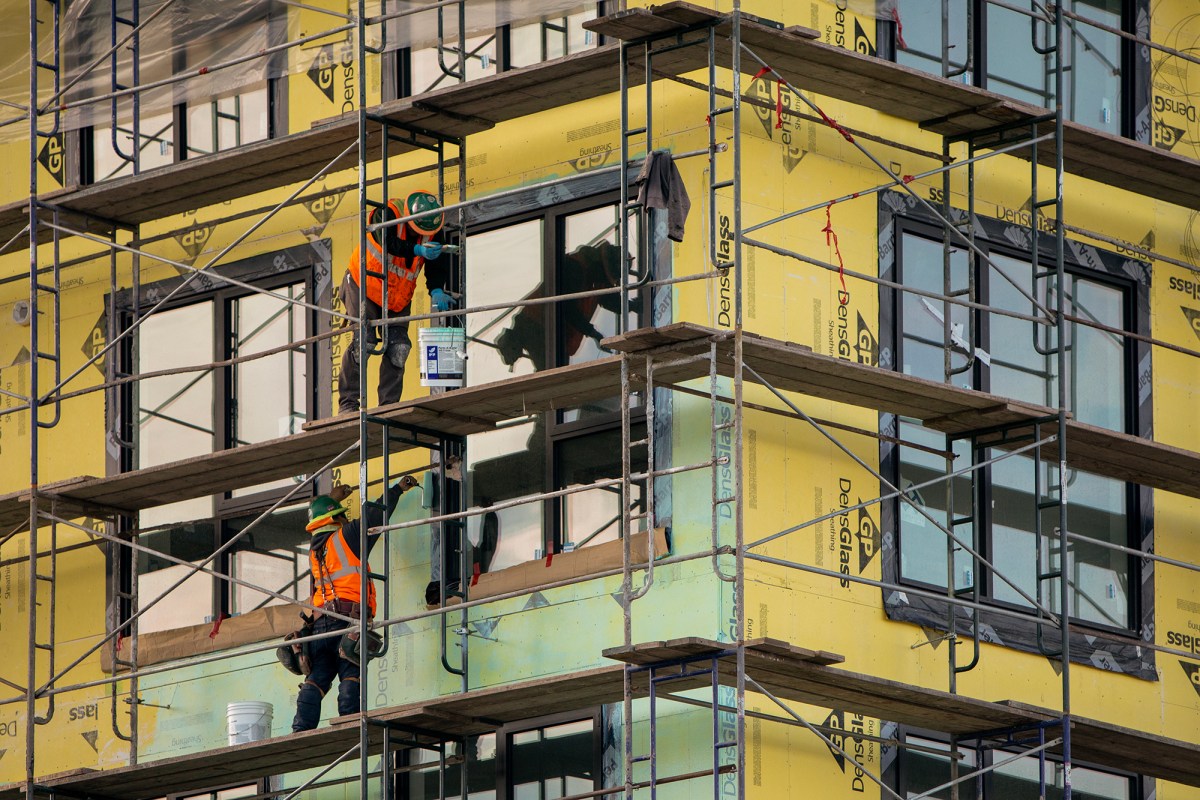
[[336, 577], [401, 276]]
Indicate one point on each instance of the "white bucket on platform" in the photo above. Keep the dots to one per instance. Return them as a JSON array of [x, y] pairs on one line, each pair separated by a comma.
[[249, 721], [442, 353]]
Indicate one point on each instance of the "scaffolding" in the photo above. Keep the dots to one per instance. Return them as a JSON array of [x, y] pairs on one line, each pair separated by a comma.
[[651, 44]]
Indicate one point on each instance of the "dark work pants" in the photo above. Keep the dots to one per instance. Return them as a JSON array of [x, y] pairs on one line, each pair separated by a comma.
[[326, 663], [391, 365]]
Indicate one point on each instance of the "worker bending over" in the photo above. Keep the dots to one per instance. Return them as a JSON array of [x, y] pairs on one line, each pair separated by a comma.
[[334, 559], [406, 249]]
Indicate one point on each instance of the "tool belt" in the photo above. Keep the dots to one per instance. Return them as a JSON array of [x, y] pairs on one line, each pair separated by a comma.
[[346, 608]]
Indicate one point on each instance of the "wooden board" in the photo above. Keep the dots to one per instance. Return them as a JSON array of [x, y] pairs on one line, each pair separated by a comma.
[[795, 368], [454, 413], [477, 711], [792, 673], [942, 106]]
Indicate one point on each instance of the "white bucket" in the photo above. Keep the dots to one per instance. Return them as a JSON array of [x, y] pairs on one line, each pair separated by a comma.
[[443, 351], [249, 721]]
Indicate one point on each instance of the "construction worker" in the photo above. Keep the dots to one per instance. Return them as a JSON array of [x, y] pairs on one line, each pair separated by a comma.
[[406, 249], [334, 559]]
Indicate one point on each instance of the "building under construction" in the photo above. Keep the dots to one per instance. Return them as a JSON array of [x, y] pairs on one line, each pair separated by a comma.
[[851, 453]]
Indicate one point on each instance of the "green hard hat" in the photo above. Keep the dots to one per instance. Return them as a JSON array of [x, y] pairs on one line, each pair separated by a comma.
[[322, 510], [429, 224]]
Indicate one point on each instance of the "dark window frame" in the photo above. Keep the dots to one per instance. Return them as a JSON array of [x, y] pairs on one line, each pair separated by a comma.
[[270, 271], [981, 379], [557, 432], [897, 774], [899, 212], [1134, 75], [504, 749]]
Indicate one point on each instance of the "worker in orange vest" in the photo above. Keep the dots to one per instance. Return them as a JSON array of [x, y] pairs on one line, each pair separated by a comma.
[[406, 249], [334, 559]]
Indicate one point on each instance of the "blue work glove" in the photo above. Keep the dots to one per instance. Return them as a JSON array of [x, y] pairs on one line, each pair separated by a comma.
[[428, 251], [441, 300]]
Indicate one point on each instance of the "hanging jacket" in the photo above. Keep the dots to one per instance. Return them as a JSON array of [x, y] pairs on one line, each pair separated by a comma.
[[335, 572]]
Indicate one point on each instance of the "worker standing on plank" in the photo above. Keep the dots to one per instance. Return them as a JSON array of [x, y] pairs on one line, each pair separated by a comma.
[[405, 249], [334, 559]]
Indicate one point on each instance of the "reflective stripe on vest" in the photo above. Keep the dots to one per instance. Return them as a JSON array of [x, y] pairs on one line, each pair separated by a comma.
[[401, 278], [336, 577]]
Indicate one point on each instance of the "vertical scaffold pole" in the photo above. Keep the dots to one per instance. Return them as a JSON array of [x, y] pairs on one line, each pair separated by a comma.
[[1059, 309], [364, 576], [739, 599], [31, 655]]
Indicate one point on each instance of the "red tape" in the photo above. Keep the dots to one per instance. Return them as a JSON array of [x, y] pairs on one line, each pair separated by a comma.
[[475, 575], [831, 238], [778, 94], [899, 28], [833, 123], [549, 559], [217, 625]]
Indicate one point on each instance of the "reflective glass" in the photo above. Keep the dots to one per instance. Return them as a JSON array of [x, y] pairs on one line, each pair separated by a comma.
[[192, 602], [274, 555], [269, 393], [594, 516], [175, 412]]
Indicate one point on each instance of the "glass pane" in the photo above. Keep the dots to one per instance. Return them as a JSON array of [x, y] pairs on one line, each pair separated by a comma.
[[922, 32], [1019, 780], [544, 766], [924, 770], [1099, 355], [157, 136], [270, 393], [192, 602], [1023, 358], [591, 260], [594, 516], [510, 342], [175, 412], [1096, 508], [1091, 64], [507, 464], [227, 122], [481, 772], [274, 555], [923, 545], [923, 262], [427, 68]]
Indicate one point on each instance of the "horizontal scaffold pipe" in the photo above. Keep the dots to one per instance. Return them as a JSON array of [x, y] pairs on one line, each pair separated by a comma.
[[300, 343], [95, 357], [262, 648], [883, 187], [976, 249], [194, 568], [904, 498]]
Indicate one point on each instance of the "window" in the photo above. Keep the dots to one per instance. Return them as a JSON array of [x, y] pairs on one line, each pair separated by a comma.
[[175, 416], [1016, 358], [539, 760], [925, 765], [496, 42], [568, 249], [997, 48]]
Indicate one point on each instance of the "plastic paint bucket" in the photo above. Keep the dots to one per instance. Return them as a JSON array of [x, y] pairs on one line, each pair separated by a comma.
[[442, 354], [249, 721]]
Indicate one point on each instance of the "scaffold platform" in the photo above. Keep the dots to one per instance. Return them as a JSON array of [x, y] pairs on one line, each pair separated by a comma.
[[940, 406], [939, 105], [789, 672]]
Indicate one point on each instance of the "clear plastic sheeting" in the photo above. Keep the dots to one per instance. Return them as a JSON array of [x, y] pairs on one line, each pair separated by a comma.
[[194, 37], [417, 30]]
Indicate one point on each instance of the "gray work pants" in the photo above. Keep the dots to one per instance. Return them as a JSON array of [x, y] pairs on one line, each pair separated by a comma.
[[395, 353]]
